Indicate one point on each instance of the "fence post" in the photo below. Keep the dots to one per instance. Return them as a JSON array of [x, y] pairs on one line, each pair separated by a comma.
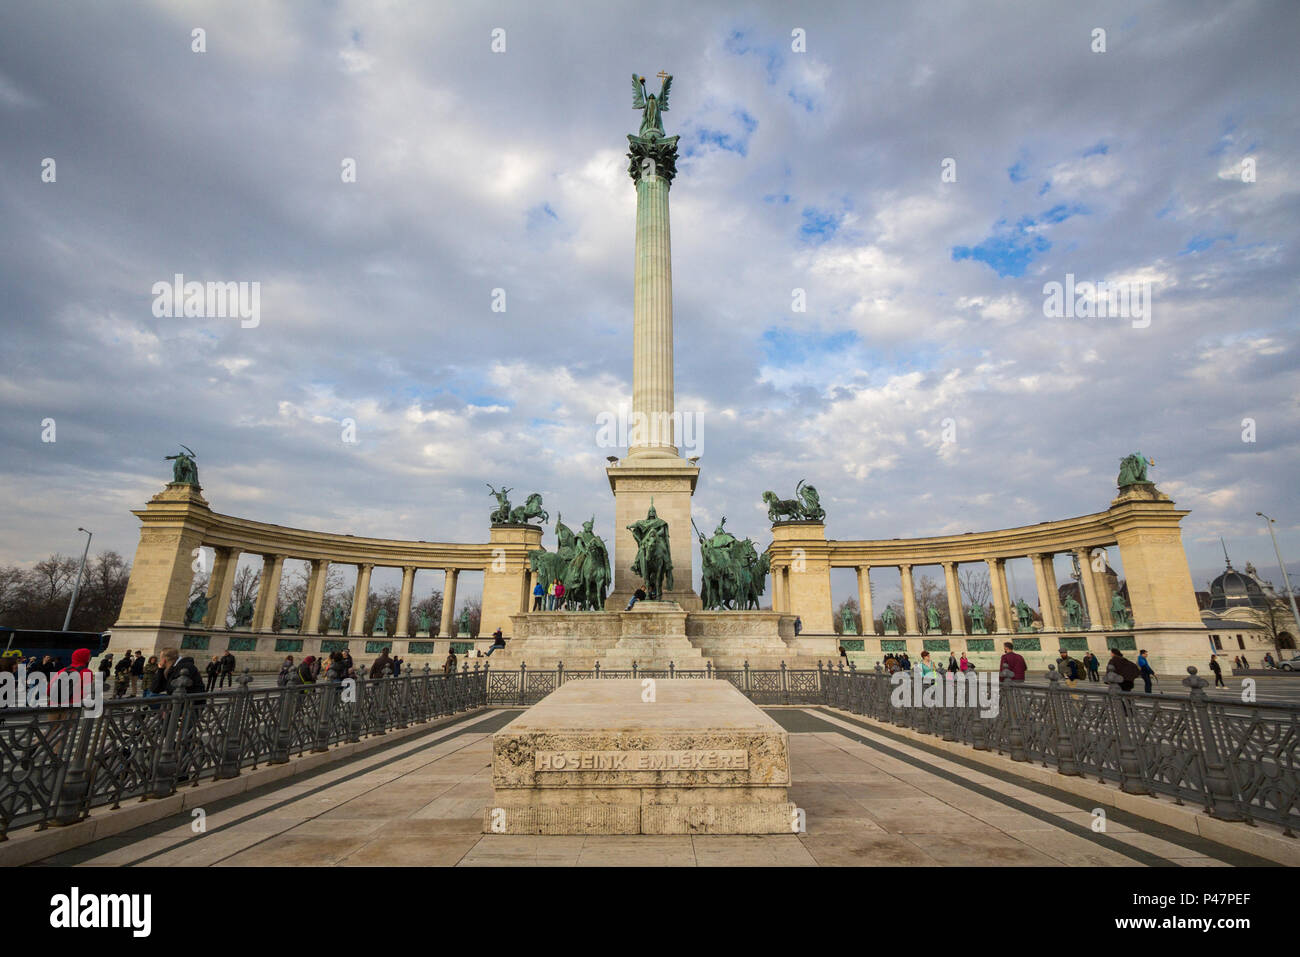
[[1130, 769], [785, 687], [1221, 796], [167, 766], [1015, 736], [1065, 763], [979, 731], [75, 786], [523, 674], [228, 766], [559, 673], [284, 727], [746, 677], [670, 669], [355, 717], [328, 692]]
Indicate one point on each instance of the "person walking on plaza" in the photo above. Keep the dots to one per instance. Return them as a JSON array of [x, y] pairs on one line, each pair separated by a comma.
[[798, 625], [1013, 661], [347, 661], [137, 674], [214, 672], [1218, 672], [122, 676], [1268, 661], [964, 664], [1145, 670], [449, 666], [1236, 661], [953, 667], [538, 594], [1093, 666], [286, 670], [1128, 671], [1244, 663], [227, 670], [382, 662], [305, 673], [336, 670], [105, 668]]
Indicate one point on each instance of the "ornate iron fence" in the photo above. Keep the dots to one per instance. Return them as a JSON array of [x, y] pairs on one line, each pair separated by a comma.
[[1239, 760], [55, 765]]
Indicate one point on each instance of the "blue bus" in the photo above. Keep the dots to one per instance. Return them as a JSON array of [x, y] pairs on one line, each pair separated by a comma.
[[57, 644]]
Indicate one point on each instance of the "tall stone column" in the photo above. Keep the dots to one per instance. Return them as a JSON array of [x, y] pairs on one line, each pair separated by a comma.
[[404, 603], [953, 587], [1046, 592], [1089, 588], [360, 598], [1001, 600], [268, 592], [909, 601], [220, 586], [315, 596], [653, 471], [446, 629], [864, 600]]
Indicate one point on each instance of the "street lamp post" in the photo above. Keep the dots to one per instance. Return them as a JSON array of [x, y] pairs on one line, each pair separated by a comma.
[[1285, 577], [67, 619]]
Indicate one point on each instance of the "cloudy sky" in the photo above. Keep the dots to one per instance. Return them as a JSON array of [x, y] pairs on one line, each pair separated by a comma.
[[818, 169]]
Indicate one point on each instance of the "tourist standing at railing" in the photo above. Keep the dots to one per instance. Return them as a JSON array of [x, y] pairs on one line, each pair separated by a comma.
[[1011, 659], [286, 669], [305, 673], [1128, 671], [213, 671], [397, 667], [227, 670], [1218, 672], [337, 670], [449, 666], [122, 676], [348, 662], [171, 668]]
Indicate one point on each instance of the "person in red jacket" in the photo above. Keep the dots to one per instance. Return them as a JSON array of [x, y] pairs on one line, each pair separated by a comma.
[[1013, 661], [71, 689]]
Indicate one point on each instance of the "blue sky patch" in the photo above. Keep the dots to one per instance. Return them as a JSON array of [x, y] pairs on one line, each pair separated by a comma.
[[786, 347], [1198, 244], [1018, 172]]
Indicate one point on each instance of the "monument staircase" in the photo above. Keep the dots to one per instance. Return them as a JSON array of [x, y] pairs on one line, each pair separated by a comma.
[[652, 634]]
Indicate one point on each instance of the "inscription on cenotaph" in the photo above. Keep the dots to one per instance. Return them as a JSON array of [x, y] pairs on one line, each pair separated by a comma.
[[703, 760]]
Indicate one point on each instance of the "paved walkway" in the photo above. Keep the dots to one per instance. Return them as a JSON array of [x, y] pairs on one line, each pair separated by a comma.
[[871, 797]]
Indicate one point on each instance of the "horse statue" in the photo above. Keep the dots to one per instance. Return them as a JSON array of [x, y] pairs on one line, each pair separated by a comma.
[[758, 569], [501, 514], [588, 574], [184, 471], [806, 505], [779, 508], [532, 508]]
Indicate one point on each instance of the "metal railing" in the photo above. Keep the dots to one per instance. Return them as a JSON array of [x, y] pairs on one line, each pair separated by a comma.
[[1239, 760], [56, 764]]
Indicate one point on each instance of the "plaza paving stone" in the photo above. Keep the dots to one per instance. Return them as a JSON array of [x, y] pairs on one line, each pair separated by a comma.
[[871, 798]]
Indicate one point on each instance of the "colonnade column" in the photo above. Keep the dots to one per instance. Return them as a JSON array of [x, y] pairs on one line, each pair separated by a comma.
[[220, 586], [1046, 591], [953, 588], [1089, 587], [1101, 583], [448, 603], [268, 592], [864, 600], [404, 603], [1001, 599], [909, 601], [360, 597], [315, 596]]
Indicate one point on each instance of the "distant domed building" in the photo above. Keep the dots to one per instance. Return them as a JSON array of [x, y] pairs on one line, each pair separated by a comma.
[[1245, 613]]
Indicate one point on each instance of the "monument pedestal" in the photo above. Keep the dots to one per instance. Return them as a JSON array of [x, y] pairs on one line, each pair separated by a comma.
[[596, 757], [669, 481]]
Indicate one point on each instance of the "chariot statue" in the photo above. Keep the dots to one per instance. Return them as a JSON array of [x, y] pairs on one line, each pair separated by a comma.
[[1133, 470], [501, 514], [184, 471], [805, 506]]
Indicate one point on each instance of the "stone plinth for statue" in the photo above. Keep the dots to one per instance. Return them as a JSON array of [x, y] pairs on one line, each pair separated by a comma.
[[595, 757], [670, 481]]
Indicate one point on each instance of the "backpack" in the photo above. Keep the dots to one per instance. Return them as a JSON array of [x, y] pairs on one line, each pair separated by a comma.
[[1126, 670], [283, 680]]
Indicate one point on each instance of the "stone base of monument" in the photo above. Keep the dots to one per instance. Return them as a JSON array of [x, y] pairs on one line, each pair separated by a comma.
[[653, 634], [595, 757]]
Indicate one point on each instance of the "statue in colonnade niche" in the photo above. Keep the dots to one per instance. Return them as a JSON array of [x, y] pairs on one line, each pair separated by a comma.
[[889, 620], [1133, 470], [464, 622], [291, 618], [381, 623], [197, 610], [184, 471], [977, 620], [244, 614], [336, 618], [932, 618], [1073, 612], [1119, 612], [424, 622], [1025, 614], [847, 625]]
